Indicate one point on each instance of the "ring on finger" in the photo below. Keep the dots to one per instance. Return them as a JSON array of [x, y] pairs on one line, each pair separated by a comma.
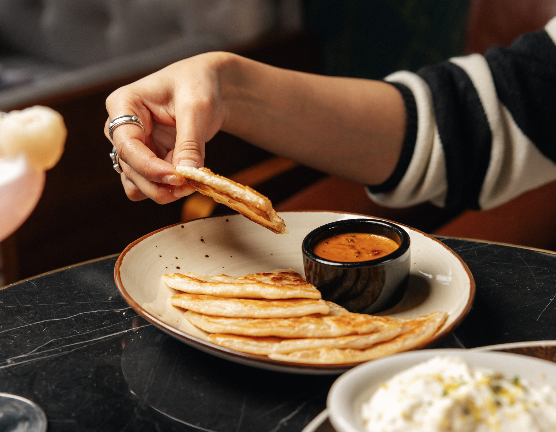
[[115, 160], [124, 119]]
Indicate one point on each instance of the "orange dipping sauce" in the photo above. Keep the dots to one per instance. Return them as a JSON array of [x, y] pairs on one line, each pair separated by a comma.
[[355, 247]]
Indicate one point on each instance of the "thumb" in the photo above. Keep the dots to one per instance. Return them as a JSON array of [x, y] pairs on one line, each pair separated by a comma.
[[191, 134], [190, 152], [189, 149]]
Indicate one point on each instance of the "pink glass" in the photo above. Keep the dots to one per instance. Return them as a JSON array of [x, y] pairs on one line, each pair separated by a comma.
[[21, 187]]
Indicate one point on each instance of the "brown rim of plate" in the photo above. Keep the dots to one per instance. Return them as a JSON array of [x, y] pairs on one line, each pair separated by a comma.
[[263, 361]]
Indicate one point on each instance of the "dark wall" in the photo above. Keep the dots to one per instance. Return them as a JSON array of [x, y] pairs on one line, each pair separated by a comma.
[[84, 213], [372, 38]]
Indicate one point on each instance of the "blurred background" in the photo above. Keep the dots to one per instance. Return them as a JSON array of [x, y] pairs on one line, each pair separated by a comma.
[[71, 55]]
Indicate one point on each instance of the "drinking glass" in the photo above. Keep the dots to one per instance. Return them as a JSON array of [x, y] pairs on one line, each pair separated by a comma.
[[21, 187]]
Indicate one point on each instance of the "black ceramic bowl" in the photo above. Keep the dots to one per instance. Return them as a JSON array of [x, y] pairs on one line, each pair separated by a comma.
[[366, 286]]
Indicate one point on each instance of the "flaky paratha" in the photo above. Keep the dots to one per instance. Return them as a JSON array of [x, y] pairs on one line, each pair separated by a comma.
[[315, 326], [267, 345], [246, 344], [239, 307], [336, 309], [243, 199], [420, 330], [279, 284], [254, 314]]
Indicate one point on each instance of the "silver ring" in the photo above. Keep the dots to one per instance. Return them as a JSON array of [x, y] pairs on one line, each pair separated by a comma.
[[115, 160], [124, 119]]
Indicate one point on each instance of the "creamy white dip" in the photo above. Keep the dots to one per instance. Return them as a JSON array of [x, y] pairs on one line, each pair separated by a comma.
[[445, 395]]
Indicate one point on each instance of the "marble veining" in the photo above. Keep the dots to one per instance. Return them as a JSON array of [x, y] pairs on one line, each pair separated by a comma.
[[69, 343]]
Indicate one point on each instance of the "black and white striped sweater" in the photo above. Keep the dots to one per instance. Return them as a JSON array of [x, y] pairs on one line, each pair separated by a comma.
[[481, 129]]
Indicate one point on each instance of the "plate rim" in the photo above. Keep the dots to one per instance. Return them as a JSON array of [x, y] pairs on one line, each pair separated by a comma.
[[265, 362], [339, 419], [318, 421]]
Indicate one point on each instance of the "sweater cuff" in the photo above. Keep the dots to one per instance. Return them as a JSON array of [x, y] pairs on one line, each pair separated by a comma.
[[408, 145]]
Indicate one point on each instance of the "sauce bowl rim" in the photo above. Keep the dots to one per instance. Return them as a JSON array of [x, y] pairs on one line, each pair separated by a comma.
[[341, 226]]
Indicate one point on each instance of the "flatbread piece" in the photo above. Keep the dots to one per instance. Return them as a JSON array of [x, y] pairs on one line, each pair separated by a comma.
[[252, 308], [279, 284], [268, 345], [243, 199], [315, 326], [420, 330], [279, 315]]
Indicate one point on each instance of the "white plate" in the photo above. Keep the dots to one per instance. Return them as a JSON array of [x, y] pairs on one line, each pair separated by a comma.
[[439, 281], [348, 392], [543, 349]]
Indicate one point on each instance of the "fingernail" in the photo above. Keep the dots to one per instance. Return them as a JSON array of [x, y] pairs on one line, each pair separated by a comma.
[[172, 180]]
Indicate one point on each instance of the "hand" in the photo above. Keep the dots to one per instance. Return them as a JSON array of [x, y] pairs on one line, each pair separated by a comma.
[[181, 108], [352, 128]]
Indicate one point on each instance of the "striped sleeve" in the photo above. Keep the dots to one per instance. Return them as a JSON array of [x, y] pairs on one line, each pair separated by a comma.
[[480, 128]]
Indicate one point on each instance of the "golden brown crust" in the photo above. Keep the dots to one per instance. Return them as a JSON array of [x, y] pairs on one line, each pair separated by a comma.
[[419, 331], [316, 326], [280, 284], [267, 345], [252, 314], [238, 307], [241, 198]]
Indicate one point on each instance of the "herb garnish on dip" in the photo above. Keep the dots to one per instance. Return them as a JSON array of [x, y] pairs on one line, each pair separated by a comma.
[[444, 394]]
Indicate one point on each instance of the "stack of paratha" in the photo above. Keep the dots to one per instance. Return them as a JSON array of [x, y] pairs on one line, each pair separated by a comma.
[[279, 315]]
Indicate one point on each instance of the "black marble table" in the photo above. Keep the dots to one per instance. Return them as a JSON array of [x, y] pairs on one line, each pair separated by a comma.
[[69, 343]]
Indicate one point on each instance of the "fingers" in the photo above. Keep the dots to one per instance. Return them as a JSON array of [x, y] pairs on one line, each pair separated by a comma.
[[138, 188], [132, 191], [134, 146], [153, 178], [180, 107], [163, 139], [144, 161], [147, 172]]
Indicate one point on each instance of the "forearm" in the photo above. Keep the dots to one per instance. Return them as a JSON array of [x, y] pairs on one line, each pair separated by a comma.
[[349, 127]]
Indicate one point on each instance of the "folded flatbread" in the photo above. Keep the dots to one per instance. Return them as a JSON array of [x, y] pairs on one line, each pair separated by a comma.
[[336, 309], [268, 345], [252, 308], [312, 326], [420, 330], [279, 315], [279, 284], [243, 199]]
